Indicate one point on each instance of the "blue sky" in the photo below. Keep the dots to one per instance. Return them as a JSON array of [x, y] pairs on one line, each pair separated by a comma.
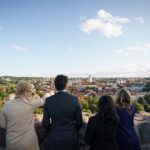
[[75, 37]]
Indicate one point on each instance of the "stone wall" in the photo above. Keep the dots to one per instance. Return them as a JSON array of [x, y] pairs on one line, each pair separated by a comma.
[[144, 135]]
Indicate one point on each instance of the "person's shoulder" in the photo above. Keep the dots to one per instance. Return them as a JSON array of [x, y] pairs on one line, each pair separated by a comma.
[[93, 121], [93, 118], [119, 110], [5, 105], [9, 102], [50, 98], [72, 96]]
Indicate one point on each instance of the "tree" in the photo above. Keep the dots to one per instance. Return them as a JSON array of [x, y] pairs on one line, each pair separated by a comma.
[[147, 108], [92, 101], [138, 106], [84, 104], [2, 88], [3, 95], [147, 98], [89, 104], [11, 89], [146, 87], [38, 110], [141, 100]]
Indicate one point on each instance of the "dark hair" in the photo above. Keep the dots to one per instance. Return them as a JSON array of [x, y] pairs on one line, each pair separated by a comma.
[[61, 82], [107, 110], [123, 99]]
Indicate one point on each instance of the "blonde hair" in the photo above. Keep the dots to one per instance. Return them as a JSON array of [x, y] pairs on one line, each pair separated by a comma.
[[22, 87], [123, 99]]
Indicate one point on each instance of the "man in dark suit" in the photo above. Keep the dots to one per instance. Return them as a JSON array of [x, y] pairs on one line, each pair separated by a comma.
[[62, 118]]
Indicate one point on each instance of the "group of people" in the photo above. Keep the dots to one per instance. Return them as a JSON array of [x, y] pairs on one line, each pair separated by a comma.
[[112, 128]]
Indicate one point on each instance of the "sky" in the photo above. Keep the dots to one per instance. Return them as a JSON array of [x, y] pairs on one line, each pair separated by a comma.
[[103, 38]]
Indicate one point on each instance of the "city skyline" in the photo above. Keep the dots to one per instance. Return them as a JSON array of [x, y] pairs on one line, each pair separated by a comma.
[[77, 38]]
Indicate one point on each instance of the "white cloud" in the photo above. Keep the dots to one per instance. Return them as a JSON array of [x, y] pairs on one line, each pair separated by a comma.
[[129, 70], [136, 49], [147, 45], [140, 20], [142, 48], [108, 25], [18, 48]]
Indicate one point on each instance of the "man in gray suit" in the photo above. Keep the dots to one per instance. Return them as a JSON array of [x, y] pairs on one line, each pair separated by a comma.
[[62, 118]]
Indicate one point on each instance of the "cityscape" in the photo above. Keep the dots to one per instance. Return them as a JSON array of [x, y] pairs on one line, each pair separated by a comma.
[[80, 87]]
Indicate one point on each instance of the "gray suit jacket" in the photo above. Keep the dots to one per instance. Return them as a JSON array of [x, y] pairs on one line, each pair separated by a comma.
[[62, 119]]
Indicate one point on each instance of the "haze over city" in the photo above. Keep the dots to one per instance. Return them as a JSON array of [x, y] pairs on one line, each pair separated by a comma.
[[75, 37]]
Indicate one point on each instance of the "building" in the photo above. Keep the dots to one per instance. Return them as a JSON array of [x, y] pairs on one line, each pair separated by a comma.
[[90, 79]]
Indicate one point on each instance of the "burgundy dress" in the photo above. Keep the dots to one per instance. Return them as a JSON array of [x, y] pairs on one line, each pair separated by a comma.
[[126, 135]]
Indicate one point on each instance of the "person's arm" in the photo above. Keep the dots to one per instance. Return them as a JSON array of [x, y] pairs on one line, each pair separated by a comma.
[[79, 119], [38, 102], [46, 118], [89, 133], [3, 122]]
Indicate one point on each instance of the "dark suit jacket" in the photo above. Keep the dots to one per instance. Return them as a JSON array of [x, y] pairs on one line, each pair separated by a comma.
[[62, 119], [100, 135]]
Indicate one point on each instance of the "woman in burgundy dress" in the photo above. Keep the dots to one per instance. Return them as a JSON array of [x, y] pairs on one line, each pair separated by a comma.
[[126, 135]]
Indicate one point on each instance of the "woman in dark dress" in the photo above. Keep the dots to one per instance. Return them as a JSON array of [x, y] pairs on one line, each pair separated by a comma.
[[101, 129], [126, 136]]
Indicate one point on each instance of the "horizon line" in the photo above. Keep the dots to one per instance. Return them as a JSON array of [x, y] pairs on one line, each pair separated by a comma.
[[53, 76]]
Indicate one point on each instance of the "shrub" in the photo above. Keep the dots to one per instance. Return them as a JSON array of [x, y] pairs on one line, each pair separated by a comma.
[[3, 95], [147, 98], [138, 106], [146, 88], [38, 111], [86, 110], [147, 108], [92, 101], [141, 100], [89, 104], [84, 104], [40, 94]]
